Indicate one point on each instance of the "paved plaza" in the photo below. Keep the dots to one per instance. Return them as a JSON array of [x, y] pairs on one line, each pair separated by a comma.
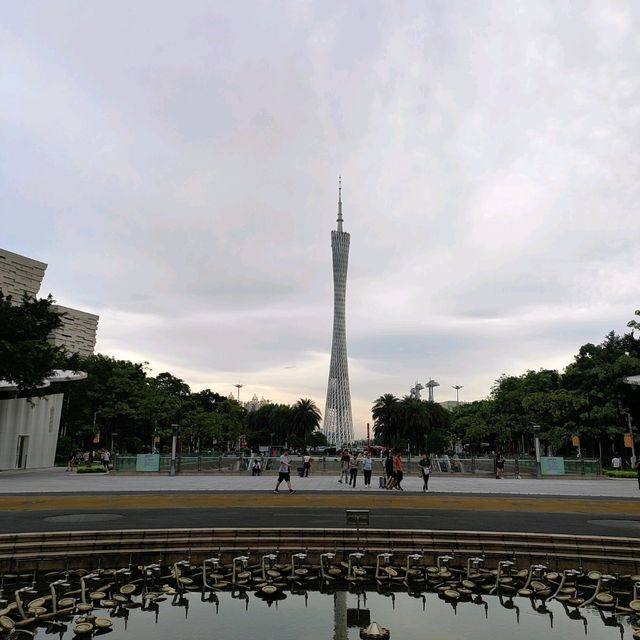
[[57, 480], [54, 500]]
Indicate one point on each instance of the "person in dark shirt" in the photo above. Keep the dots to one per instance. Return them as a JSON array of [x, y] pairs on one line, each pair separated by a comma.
[[425, 469], [499, 466], [388, 470]]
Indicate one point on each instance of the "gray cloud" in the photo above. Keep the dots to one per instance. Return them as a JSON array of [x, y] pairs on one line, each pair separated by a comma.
[[176, 167]]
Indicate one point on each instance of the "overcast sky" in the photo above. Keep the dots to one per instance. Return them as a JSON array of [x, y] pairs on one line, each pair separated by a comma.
[[176, 165]]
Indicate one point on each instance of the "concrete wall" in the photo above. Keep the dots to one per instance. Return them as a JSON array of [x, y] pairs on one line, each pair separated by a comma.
[[39, 420]]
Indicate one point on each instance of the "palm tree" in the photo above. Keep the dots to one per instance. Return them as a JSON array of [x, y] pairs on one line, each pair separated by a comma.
[[416, 419], [385, 418], [306, 418]]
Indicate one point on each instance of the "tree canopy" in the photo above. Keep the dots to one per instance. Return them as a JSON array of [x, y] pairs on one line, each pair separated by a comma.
[[588, 399], [27, 357], [422, 425]]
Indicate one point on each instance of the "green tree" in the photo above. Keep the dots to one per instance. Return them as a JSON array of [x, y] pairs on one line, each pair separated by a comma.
[[557, 413], [386, 414], [439, 435], [110, 400], [204, 424], [26, 355], [318, 439], [306, 419], [415, 422], [509, 420], [270, 424], [597, 376], [472, 424]]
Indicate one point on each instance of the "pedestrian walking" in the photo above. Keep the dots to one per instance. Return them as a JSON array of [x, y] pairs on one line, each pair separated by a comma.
[[499, 466], [306, 465], [425, 470], [397, 470], [353, 469], [284, 472], [256, 467], [367, 467], [73, 461], [345, 459], [106, 459], [638, 471], [616, 462]]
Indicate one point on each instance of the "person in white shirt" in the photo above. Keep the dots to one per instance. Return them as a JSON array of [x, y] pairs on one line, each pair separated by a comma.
[[306, 465], [616, 462], [353, 469], [367, 466], [284, 472]]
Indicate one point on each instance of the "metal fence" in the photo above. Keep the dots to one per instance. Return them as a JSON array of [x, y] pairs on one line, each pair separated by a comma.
[[440, 465]]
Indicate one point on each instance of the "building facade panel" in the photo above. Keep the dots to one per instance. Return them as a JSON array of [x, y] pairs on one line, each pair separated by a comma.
[[19, 274], [77, 334]]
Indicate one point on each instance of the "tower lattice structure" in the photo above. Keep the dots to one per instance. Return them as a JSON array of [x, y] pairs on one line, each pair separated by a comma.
[[338, 422]]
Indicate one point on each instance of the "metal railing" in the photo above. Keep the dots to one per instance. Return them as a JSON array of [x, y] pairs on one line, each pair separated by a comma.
[[440, 465]]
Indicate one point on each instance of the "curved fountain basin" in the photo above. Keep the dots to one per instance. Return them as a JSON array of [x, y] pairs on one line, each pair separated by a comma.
[[61, 549]]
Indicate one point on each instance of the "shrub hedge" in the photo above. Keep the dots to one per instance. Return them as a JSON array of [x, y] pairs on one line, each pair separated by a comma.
[[620, 473], [92, 469]]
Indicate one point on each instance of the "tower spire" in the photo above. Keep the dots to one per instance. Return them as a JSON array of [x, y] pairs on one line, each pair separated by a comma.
[[339, 203], [338, 420]]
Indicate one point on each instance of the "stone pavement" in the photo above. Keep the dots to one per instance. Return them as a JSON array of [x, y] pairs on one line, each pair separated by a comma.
[[58, 481]]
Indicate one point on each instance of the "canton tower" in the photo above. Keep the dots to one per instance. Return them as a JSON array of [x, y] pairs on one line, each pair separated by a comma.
[[338, 423]]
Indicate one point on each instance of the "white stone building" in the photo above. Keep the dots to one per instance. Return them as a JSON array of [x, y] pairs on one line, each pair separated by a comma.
[[29, 427]]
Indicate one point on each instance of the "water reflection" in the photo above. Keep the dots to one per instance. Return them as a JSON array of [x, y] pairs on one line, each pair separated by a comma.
[[308, 615], [291, 600]]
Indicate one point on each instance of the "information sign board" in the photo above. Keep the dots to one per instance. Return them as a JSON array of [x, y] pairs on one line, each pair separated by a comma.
[[357, 517], [148, 462], [551, 466]]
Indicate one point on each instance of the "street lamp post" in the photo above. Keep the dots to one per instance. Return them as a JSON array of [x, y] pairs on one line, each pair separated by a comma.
[[536, 439], [174, 443]]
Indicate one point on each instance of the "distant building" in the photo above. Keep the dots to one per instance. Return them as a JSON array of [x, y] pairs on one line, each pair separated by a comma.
[[450, 405], [20, 275], [254, 404]]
